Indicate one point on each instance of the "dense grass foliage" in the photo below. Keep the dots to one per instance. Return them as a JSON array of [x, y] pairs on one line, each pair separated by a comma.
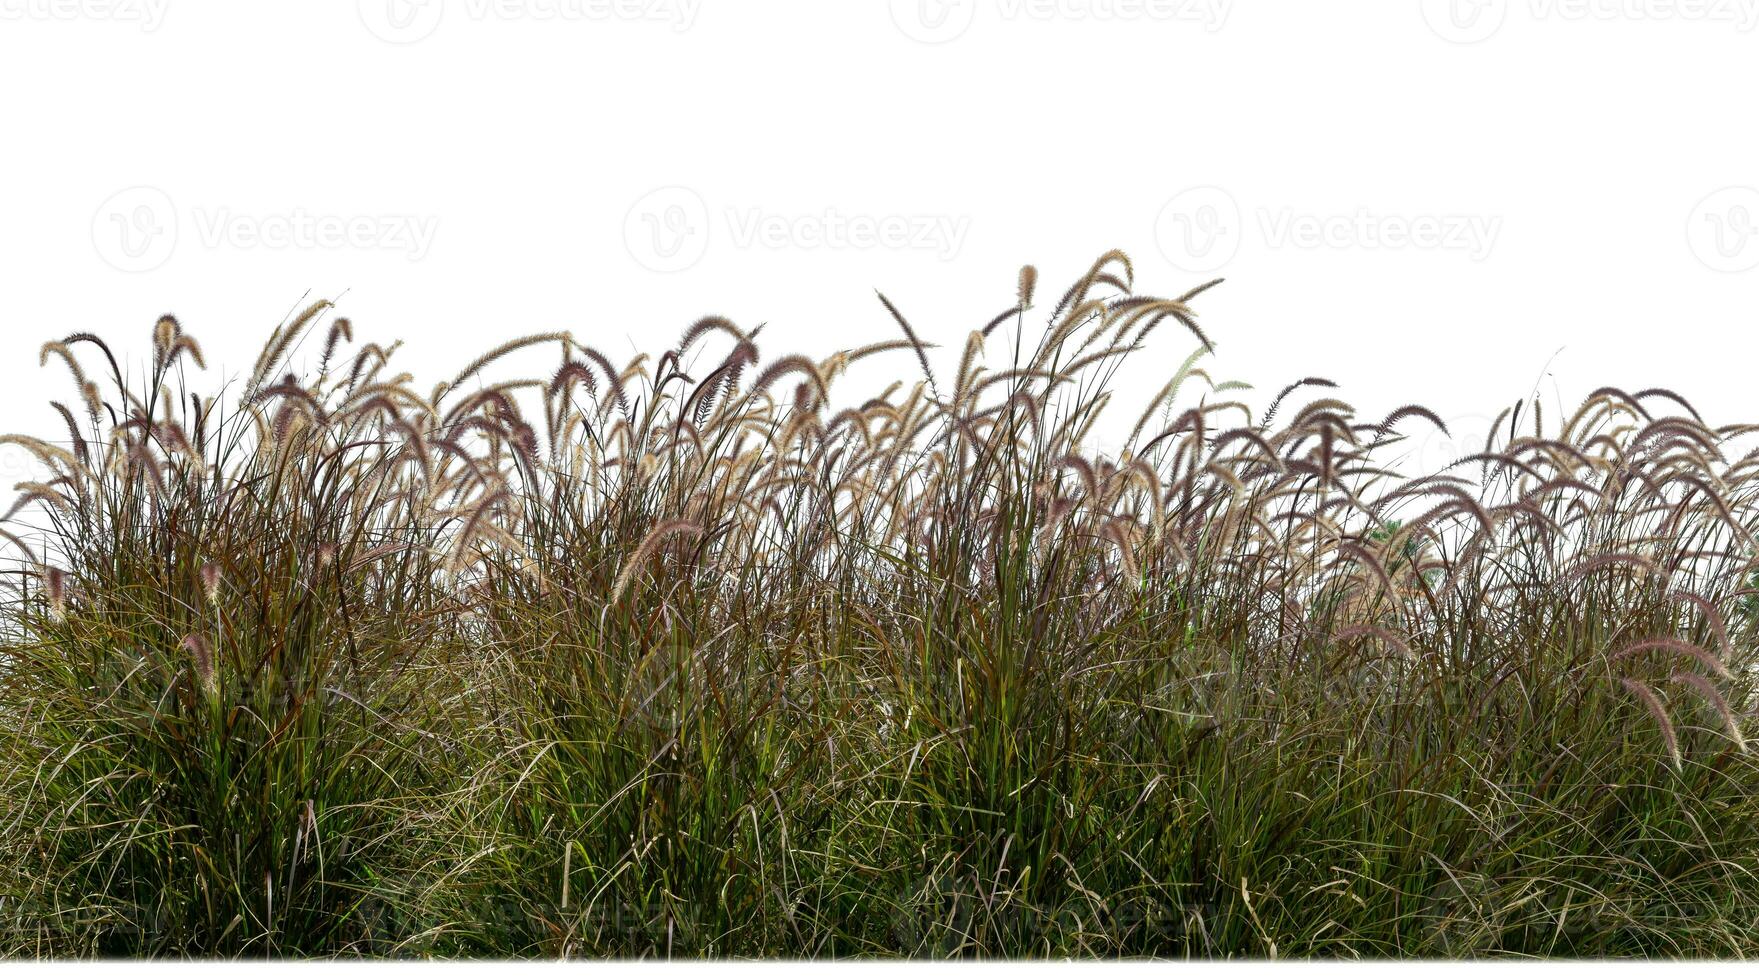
[[708, 655]]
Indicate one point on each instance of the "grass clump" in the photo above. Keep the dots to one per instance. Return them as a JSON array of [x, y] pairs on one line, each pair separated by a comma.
[[217, 713], [701, 656]]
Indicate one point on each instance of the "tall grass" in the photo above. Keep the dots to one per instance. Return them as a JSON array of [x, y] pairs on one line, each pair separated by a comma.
[[706, 655]]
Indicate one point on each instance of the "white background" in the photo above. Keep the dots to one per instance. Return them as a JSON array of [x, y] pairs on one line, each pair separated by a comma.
[[1421, 200]]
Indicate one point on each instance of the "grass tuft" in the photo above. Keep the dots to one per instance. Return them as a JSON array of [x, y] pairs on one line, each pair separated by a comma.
[[712, 655]]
